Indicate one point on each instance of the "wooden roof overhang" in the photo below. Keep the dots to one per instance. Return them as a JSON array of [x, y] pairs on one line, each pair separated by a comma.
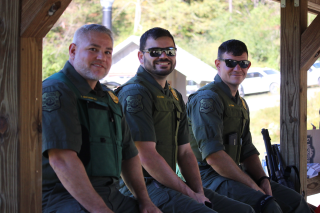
[[24, 23]]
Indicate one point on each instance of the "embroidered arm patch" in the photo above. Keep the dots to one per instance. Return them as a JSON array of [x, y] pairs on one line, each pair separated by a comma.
[[51, 101], [206, 105], [134, 103]]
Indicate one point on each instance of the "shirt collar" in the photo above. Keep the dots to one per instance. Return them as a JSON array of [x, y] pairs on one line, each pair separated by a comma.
[[79, 82], [144, 74], [225, 88]]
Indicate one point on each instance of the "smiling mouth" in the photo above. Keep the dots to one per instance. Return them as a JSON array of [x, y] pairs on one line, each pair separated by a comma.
[[163, 63], [98, 65]]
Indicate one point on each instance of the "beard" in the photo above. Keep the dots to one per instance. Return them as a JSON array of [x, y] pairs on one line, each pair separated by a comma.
[[151, 67], [82, 68]]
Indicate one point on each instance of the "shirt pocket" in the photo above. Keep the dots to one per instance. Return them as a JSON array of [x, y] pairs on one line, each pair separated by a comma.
[[105, 146]]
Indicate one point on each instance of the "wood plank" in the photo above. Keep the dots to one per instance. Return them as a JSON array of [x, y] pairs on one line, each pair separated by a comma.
[[313, 185], [303, 105], [293, 98], [313, 6], [310, 44], [9, 105], [35, 19], [30, 125], [314, 1]]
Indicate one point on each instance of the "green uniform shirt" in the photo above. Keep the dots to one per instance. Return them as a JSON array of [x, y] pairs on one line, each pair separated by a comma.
[[141, 122], [138, 105], [61, 124], [206, 122]]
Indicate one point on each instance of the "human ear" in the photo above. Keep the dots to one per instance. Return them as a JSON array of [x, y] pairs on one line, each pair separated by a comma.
[[72, 50], [217, 63], [140, 57]]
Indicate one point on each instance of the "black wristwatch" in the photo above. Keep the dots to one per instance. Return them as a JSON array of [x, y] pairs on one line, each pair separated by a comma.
[[262, 178]]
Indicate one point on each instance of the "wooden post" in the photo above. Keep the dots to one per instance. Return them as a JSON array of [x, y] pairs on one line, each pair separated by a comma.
[[30, 125], [23, 24], [293, 98], [9, 105]]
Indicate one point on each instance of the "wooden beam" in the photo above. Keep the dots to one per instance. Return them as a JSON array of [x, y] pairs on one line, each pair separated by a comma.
[[39, 16], [313, 6], [9, 105], [20, 101], [30, 125], [293, 98], [310, 44]]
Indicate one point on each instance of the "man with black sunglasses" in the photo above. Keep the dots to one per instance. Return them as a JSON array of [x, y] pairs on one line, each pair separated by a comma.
[[157, 119], [221, 140]]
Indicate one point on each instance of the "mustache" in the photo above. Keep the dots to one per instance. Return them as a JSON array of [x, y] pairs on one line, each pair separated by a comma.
[[163, 60]]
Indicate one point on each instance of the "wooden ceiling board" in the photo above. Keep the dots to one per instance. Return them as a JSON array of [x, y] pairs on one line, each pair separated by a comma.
[[39, 16]]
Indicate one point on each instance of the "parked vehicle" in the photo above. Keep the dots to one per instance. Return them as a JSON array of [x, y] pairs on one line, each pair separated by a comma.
[[192, 86], [314, 74], [112, 85], [260, 80]]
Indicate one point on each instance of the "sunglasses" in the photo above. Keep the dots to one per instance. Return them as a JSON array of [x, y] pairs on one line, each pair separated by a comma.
[[156, 52], [232, 63]]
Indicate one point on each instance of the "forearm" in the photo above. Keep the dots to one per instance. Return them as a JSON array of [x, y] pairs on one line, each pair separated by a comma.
[[223, 164], [158, 168], [73, 177], [189, 169], [253, 165], [133, 178]]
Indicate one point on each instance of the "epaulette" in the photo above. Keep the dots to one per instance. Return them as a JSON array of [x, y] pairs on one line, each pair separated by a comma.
[[114, 98], [173, 93], [243, 103]]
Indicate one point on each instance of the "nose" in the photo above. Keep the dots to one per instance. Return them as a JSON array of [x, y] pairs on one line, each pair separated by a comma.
[[237, 68], [163, 55], [101, 56]]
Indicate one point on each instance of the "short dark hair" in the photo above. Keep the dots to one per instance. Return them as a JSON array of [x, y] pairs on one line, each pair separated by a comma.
[[154, 33], [233, 46]]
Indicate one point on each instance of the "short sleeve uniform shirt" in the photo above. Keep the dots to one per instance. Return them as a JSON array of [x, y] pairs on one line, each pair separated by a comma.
[[61, 127]]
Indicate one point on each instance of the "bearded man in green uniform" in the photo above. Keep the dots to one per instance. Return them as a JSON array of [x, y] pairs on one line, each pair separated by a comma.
[[157, 119], [86, 141], [220, 138]]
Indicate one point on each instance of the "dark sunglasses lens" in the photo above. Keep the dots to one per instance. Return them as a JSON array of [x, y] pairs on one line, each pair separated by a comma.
[[231, 63], [158, 52], [171, 52], [155, 52], [244, 64]]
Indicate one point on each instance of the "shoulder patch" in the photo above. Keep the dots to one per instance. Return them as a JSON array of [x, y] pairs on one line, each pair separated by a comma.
[[134, 103], [206, 105], [114, 98], [51, 101]]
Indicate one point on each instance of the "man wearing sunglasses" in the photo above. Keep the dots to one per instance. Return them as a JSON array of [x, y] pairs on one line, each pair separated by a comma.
[[157, 119], [221, 140]]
